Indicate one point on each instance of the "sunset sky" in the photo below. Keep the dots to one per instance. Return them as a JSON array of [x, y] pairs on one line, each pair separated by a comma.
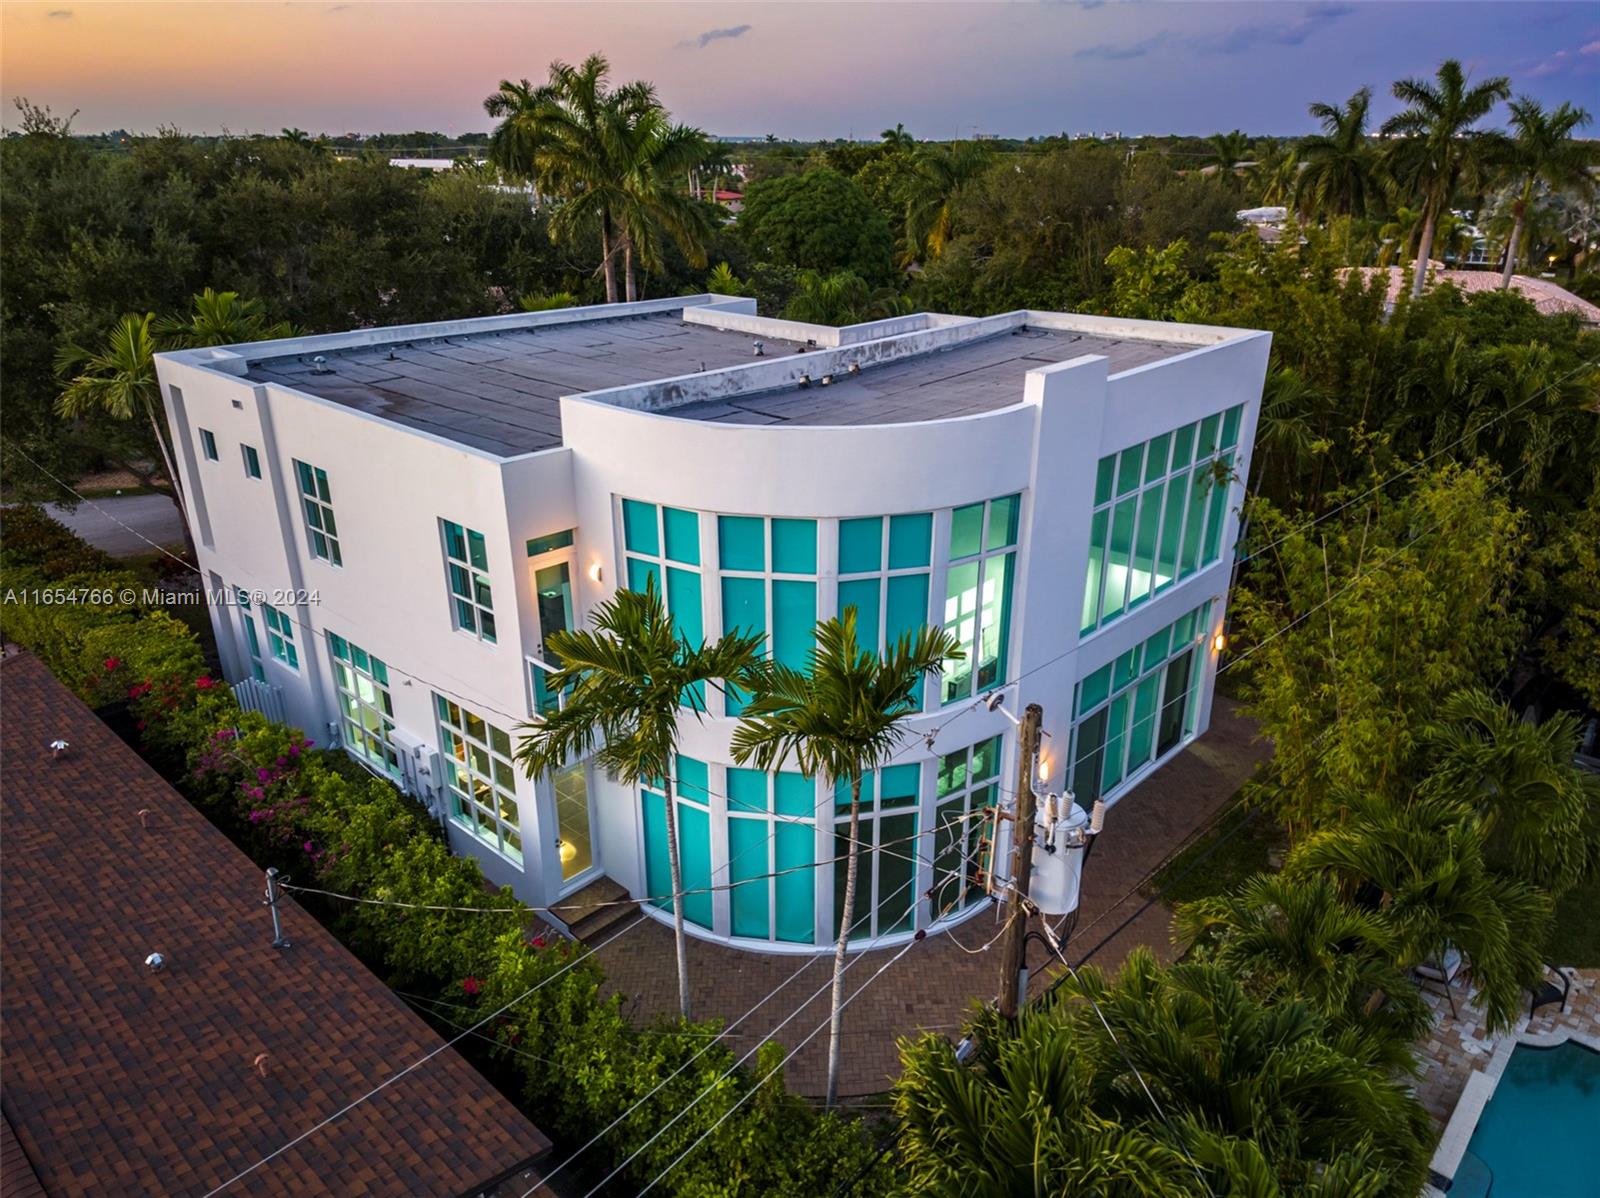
[[796, 70]]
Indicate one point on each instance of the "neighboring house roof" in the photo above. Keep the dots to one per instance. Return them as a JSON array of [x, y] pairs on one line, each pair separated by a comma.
[[122, 1081], [1546, 296]]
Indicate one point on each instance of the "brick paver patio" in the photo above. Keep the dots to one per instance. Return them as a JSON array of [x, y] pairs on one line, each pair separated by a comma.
[[935, 981]]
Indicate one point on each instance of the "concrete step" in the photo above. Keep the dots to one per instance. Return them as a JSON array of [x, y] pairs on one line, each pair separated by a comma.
[[593, 912]]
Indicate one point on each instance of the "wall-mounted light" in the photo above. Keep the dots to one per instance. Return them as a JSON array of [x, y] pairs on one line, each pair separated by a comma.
[[1219, 642], [596, 572]]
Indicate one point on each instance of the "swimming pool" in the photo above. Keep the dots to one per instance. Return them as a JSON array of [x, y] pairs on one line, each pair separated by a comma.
[[1537, 1136]]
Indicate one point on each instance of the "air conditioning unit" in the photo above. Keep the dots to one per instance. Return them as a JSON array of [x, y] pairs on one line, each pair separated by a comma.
[[421, 772], [335, 740]]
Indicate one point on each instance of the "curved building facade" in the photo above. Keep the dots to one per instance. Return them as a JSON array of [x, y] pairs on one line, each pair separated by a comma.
[[1061, 492]]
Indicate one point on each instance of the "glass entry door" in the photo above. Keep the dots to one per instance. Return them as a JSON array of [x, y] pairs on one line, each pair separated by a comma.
[[574, 844]]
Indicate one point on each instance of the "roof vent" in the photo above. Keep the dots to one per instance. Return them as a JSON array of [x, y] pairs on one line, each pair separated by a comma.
[[58, 747], [854, 368], [760, 348], [155, 962], [805, 381], [319, 365], [827, 380], [812, 342]]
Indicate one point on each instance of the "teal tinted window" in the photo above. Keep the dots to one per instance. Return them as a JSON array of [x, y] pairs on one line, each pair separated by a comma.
[[1183, 629], [1002, 531], [549, 544], [898, 785], [694, 862], [1172, 509], [209, 444], [747, 790], [252, 461], [862, 594], [1141, 736], [1157, 647], [869, 790], [907, 606], [795, 848], [795, 795], [1155, 461], [1207, 444], [1104, 479], [794, 546], [1132, 461], [1194, 520], [794, 620], [966, 531], [1183, 446], [639, 532], [961, 620], [742, 543], [747, 870], [1217, 514], [642, 575], [860, 545], [657, 862], [952, 772], [682, 535], [1144, 548], [1095, 689], [744, 604], [910, 541], [1230, 426], [1094, 578], [683, 601], [1125, 669], [1119, 557]]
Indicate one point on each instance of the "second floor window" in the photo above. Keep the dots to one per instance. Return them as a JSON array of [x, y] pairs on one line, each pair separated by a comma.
[[316, 500], [466, 564], [977, 604]]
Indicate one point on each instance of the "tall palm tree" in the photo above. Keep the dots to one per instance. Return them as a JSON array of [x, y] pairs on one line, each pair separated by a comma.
[[1285, 434], [1340, 172], [839, 719], [1275, 175], [1396, 236], [630, 675], [941, 174], [611, 155], [1435, 147], [1292, 937], [1226, 150], [897, 138], [1427, 861], [219, 318], [119, 381], [1522, 781], [1542, 150]]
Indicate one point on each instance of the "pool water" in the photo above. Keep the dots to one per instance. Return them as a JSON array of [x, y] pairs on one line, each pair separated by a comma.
[[1540, 1134]]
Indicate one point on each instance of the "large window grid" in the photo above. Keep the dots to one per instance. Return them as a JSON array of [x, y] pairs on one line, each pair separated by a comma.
[[884, 571], [466, 566], [316, 501], [768, 570], [481, 778], [1160, 508], [366, 709], [772, 840], [978, 585], [968, 785], [692, 797], [662, 545], [1138, 708], [280, 637], [252, 638], [886, 889]]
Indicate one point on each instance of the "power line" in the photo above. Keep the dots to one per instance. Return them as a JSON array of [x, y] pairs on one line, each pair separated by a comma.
[[423, 1060]]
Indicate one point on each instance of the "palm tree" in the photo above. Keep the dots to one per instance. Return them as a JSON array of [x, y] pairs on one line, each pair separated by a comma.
[[841, 718], [1436, 148], [629, 676], [612, 156], [1285, 433], [841, 298], [1396, 236], [1224, 151], [1521, 780], [898, 139], [120, 382], [1292, 937], [1275, 175], [1339, 175], [1426, 860], [941, 174], [1541, 149], [219, 318]]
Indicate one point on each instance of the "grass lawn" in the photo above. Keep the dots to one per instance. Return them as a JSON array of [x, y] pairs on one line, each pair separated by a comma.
[[1575, 934], [1233, 848]]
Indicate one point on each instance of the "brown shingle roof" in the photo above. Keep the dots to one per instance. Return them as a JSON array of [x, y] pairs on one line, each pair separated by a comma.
[[123, 1082]]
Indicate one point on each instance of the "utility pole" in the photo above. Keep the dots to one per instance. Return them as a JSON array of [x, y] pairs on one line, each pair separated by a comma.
[[1014, 947]]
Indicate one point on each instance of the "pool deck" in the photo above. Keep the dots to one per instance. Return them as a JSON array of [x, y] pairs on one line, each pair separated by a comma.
[[1461, 1062]]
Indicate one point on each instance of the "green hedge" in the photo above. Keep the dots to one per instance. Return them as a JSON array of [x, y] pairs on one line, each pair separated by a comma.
[[574, 1060]]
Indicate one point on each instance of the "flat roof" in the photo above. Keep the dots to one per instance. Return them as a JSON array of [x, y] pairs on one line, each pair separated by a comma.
[[963, 380], [121, 1081], [501, 391]]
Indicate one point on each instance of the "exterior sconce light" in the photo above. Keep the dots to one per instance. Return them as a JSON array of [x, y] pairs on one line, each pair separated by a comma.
[[1219, 642], [596, 572]]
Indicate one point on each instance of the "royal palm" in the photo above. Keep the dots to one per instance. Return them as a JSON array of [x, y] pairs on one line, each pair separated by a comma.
[[1542, 150], [631, 677], [837, 720]]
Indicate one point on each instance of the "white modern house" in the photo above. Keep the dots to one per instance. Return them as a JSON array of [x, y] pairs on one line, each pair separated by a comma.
[[403, 515]]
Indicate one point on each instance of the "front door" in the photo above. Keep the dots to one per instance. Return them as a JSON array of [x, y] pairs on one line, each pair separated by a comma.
[[574, 843]]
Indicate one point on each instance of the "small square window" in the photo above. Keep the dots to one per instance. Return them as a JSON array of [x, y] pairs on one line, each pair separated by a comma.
[[208, 445], [252, 461]]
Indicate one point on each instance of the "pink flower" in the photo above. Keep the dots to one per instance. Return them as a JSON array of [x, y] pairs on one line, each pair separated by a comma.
[[308, 847], [538, 942], [263, 773], [113, 662], [469, 985], [205, 682]]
